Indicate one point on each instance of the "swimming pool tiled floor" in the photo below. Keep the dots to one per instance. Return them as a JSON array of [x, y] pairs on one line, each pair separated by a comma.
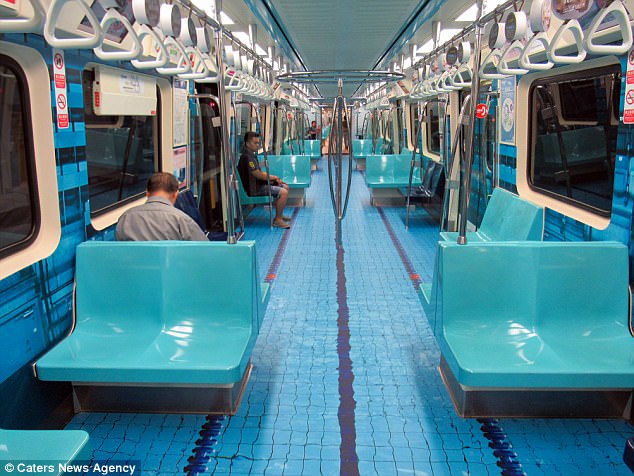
[[294, 414]]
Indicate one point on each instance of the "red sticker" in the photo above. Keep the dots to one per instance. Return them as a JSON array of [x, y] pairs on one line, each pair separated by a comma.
[[481, 111]]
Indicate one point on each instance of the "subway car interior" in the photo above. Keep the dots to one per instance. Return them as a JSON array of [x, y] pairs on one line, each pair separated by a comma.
[[438, 256]]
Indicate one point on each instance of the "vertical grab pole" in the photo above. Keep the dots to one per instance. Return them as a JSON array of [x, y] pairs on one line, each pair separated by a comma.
[[412, 164], [225, 157], [468, 164], [339, 157], [263, 131]]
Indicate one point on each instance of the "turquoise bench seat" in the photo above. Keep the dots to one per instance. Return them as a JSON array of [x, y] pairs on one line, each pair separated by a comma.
[[535, 316], [292, 169], [312, 148], [390, 171], [361, 148], [51, 447], [161, 313], [507, 217]]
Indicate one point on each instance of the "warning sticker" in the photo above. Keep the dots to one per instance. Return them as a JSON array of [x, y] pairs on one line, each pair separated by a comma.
[[61, 99], [628, 104]]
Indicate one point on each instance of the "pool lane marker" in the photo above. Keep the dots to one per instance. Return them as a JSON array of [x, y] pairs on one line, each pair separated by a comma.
[[205, 449], [277, 259], [407, 263], [502, 449]]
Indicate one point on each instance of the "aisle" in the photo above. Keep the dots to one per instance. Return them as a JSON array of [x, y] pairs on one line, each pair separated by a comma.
[[296, 417]]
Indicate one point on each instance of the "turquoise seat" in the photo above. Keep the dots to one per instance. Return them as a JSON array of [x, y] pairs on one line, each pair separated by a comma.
[[50, 447], [506, 218], [250, 200], [312, 148], [292, 169], [361, 148], [535, 315], [390, 171], [170, 313]]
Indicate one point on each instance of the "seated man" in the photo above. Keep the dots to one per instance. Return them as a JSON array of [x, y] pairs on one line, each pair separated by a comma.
[[312, 131], [254, 179], [158, 219]]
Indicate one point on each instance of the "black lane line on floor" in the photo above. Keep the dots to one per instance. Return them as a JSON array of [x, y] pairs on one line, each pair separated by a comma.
[[349, 460], [502, 449], [205, 450], [277, 259]]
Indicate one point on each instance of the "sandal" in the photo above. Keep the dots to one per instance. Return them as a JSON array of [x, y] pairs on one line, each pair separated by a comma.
[[281, 225], [285, 218]]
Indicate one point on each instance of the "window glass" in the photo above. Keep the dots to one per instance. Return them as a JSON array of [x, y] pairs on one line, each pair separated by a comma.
[[121, 152], [18, 215], [573, 136], [432, 130]]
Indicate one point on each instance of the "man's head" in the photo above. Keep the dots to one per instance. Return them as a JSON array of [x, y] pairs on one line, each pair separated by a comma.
[[313, 124], [252, 141], [162, 184]]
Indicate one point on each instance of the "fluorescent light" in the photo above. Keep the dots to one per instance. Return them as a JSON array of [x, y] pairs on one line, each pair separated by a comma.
[[469, 15], [427, 47], [407, 63], [448, 34], [205, 6], [225, 19], [260, 51], [242, 36], [492, 4]]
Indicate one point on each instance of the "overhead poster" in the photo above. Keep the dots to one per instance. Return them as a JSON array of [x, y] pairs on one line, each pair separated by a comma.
[[507, 110]]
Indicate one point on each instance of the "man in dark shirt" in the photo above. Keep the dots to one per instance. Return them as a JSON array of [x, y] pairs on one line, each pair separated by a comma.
[[312, 131], [254, 179], [158, 219]]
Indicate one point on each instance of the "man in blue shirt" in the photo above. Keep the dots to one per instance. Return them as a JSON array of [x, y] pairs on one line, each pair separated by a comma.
[[254, 179], [157, 219]]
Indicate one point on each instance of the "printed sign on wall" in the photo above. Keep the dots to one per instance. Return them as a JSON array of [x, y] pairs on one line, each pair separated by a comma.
[[507, 110], [61, 98], [628, 104]]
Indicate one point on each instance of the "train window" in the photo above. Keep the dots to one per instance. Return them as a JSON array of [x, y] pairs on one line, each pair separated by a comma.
[[573, 136], [18, 215], [121, 152], [432, 129]]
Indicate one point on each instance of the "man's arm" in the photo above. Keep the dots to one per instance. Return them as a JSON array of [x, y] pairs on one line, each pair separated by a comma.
[[261, 175]]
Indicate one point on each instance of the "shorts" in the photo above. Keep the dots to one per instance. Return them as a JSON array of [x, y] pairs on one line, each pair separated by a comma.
[[275, 191]]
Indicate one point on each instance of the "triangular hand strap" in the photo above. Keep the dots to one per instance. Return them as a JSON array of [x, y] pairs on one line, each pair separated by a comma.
[[490, 61], [503, 66], [525, 60], [110, 17], [161, 57], [618, 12], [182, 62], [574, 27], [80, 42]]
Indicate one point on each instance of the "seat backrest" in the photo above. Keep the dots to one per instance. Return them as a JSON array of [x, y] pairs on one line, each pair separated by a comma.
[[132, 285], [298, 166], [402, 164], [508, 217], [378, 166], [564, 285]]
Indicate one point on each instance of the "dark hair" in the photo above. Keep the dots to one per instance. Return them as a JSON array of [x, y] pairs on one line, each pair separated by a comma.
[[162, 181], [250, 135]]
